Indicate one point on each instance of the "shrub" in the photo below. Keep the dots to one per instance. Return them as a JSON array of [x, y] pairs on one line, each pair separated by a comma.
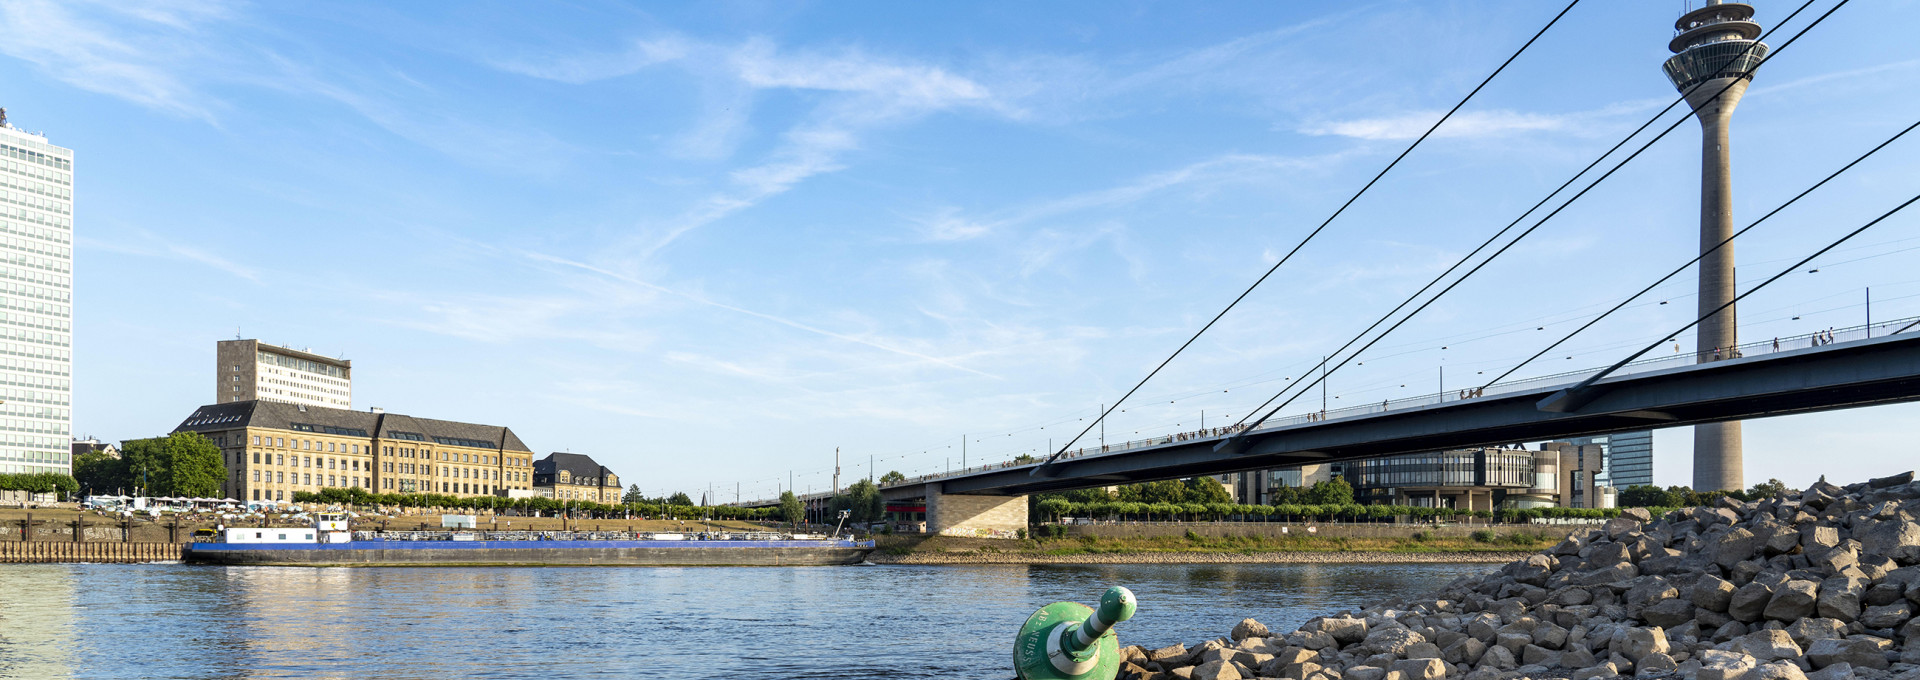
[[1021, 533], [1423, 536], [1484, 536], [1192, 536]]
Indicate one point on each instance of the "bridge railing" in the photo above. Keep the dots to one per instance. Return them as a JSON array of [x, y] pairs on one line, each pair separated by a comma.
[[1678, 359]]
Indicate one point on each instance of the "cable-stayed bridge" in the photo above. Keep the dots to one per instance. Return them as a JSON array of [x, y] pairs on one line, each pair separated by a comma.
[[1856, 367]]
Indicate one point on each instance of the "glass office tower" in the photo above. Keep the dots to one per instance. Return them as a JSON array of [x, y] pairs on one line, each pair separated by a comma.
[[36, 303]]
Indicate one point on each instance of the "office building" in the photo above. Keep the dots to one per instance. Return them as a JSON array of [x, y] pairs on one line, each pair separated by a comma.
[[248, 370], [1627, 457], [274, 449], [1466, 479], [36, 303], [1716, 50], [575, 477]]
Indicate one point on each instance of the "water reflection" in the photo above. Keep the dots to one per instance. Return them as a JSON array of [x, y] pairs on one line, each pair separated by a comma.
[[36, 621], [812, 622]]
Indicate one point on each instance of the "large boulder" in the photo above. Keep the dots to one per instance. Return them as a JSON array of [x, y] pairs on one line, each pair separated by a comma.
[[1392, 641], [1723, 665], [1853, 651], [1640, 642], [1749, 603], [1249, 628], [1712, 593], [1898, 540], [1419, 669], [1887, 616], [1767, 645], [1792, 601], [1735, 547], [1669, 614], [1840, 597]]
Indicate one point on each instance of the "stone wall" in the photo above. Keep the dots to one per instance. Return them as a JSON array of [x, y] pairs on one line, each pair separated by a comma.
[[982, 516]]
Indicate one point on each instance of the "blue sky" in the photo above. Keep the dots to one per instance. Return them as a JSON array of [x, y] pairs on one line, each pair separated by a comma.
[[710, 243]]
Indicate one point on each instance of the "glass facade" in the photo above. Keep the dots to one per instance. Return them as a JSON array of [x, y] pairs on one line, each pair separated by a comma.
[[36, 304], [1627, 457], [1722, 59], [1467, 468]]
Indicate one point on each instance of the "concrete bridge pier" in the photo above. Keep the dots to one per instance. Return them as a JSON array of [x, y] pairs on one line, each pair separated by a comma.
[[974, 516]]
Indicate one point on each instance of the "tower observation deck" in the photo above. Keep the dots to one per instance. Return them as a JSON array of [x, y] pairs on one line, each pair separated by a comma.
[[1716, 50], [1715, 41]]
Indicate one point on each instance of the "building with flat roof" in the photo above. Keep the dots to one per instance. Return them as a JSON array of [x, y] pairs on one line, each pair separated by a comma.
[[573, 476], [1626, 457], [248, 370], [36, 303], [1466, 479], [274, 449]]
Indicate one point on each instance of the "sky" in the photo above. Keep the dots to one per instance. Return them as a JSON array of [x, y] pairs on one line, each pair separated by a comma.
[[710, 243]]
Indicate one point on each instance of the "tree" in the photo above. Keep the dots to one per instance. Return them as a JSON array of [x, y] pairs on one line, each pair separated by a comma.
[[679, 498], [863, 499], [633, 495], [1335, 491], [891, 478], [1207, 490], [101, 473], [1768, 489], [179, 464], [1025, 458], [790, 508], [1643, 496]]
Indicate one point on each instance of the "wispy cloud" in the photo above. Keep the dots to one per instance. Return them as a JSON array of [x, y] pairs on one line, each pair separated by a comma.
[[149, 244], [131, 50], [1468, 124], [579, 69], [948, 224], [844, 337]]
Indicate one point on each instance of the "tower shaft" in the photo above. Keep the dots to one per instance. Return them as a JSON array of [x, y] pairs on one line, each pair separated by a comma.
[[1718, 460]]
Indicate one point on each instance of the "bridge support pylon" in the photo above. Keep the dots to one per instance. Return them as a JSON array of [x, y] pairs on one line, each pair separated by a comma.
[[974, 516]]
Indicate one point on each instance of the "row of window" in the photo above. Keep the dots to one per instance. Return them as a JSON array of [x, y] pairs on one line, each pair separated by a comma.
[[19, 168], [22, 198], [308, 445], [54, 235], [297, 363], [29, 276], [36, 217], [26, 321], [32, 186], [12, 395], [262, 458], [30, 156], [35, 246]]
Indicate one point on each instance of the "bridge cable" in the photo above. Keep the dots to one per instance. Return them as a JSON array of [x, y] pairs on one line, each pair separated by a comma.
[[1316, 232], [1709, 251], [1776, 277], [1303, 387]]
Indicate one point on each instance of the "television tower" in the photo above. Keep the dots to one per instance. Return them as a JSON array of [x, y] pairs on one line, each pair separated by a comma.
[[1715, 52]]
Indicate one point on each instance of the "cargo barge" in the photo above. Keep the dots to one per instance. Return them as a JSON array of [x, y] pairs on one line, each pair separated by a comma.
[[329, 543]]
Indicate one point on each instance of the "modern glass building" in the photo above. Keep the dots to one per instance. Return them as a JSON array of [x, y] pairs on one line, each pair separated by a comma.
[[1467, 479], [1628, 457], [36, 303]]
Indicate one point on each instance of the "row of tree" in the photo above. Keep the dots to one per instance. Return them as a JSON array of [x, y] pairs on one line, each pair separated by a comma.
[[39, 482], [1645, 496], [1203, 491], [1056, 508], [179, 464]]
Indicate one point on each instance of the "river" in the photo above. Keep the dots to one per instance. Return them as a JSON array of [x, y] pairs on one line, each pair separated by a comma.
[[182, 621]]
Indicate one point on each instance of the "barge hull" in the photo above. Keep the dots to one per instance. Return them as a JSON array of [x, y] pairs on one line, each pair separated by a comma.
[[531, 553]]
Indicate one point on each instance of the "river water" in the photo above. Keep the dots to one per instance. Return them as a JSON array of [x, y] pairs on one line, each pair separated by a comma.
[[190, 621]]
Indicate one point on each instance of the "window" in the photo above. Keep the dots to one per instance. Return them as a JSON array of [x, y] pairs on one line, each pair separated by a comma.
[[256, 455], [282, 442], [256, 442], [283, 459], [282, 478], [309, 481], [256, 477]]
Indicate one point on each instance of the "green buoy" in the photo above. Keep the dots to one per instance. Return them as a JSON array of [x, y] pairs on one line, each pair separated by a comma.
[[1069, 641]]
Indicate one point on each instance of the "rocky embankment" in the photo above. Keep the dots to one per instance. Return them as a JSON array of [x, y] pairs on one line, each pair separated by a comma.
[[1821, 585]]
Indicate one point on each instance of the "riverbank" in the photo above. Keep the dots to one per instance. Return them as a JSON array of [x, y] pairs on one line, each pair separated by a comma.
[[1413, 547], [1821, 584]]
